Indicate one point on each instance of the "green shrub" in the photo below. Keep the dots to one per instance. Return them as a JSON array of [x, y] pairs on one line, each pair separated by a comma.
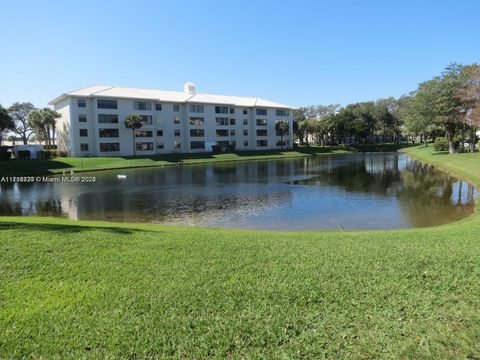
[[47, 154], [440, 144], [24, 154], [5, 155], [62, 153]]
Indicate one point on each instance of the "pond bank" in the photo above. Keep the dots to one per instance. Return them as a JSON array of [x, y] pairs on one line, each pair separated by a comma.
[[60, 165]]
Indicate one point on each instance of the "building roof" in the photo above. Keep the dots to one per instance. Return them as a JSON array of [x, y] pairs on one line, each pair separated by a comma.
[[168, 96]]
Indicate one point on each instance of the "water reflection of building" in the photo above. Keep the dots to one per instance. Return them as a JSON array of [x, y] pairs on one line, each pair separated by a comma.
[[189, 194]]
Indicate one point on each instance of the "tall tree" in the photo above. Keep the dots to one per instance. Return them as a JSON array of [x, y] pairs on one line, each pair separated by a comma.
[[43, 124], [469, 97], [36, 123], [19, 113], [6, 122], [281, 128], [133, 121], [50, 120], [438, 98]]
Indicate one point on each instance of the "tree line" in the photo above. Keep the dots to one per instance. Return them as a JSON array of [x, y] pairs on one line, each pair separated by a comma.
[[446, 106]]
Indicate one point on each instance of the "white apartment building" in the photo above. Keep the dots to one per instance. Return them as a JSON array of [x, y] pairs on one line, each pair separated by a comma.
[[92, 122]]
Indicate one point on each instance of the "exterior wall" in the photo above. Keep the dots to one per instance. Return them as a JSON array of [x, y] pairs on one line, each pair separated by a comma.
[[63, 139], [69, 128]]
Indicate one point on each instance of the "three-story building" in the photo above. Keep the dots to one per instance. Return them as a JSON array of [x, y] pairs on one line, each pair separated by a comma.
[[92, 122]]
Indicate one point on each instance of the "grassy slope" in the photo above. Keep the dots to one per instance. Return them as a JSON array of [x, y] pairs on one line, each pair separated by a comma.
[[55, 166], [103, 290]]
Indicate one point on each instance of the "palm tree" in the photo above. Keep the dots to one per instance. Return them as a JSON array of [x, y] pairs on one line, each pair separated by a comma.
[[36, 123], [49, 119], [43, 124], [133, 121], [281, 128]]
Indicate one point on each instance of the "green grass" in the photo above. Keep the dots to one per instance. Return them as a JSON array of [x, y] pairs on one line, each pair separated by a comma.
[[72, 290], [59, 165]]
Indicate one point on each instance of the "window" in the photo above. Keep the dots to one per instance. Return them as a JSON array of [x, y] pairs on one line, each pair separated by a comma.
[[245, 111], [108, 133], [223, 143], [81, 103], [83, 147], [160, 146], [221, 109], [143, 133], [146, 119], [144, 146], [245, 142], [232, 132], [197, 120], [176, 132], [197, 145], [177, 145], [282, 143], [262, 143], [176, 108], [83, 132], [159, 132], [82, 118], [232, 121], [221, 121], [245, 121], [281, 112], [176, 120], [245, 132], [222, 132], [261, 122], [108, 119], [196, 108], [158, 107], [107, 104], [108, 147], [197, 132], [142, 105], [261, 112], [261, 132], [232, 110]]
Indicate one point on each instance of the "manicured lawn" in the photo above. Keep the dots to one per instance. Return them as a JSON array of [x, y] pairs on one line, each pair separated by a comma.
[[59, 165], [73, 290], [465, 165]]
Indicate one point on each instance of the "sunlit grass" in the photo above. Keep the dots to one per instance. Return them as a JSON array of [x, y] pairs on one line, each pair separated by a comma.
[[72, 290]]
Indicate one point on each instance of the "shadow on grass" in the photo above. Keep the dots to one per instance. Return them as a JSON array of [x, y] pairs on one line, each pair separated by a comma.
[[65, 229]]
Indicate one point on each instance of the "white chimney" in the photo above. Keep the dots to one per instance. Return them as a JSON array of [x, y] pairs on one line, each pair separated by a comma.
[[189, 88]]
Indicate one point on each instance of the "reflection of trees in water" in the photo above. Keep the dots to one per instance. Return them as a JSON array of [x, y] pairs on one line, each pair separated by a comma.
[[174, 207], [10, 208], [38, 207], [358, 177], [426, 196], [429, 197]]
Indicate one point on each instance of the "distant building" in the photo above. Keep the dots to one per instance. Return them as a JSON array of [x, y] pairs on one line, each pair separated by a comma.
[[92, 122]]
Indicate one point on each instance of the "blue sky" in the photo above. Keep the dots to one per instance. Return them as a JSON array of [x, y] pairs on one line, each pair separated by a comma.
[[294, 52]]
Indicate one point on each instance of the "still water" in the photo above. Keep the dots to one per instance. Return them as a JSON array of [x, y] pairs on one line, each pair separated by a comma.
[[360, 191]]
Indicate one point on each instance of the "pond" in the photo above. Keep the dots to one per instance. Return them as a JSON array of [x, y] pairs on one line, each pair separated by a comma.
[[353, 191]]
